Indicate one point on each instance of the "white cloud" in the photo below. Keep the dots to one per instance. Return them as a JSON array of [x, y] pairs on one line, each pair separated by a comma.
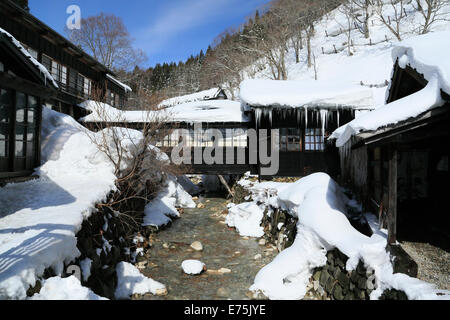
[[180, 16]]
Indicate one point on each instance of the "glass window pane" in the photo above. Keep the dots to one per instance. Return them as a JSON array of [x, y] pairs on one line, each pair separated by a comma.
[[30, 116], [20, 132], [21, 104], [32, 102], [4, 114], [20, 115], [30, 134], [5, 104], [30, 149], [20, 148], [46, 62], [3, 148], [4, 132]]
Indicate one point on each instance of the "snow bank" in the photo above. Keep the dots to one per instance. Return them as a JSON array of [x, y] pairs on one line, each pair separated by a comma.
[[295, 94], [164, 206], [24, 51], [319, 204], [193, 267], [39, 219], [65, 289], [198, 96], [246, 218], [131, 281]]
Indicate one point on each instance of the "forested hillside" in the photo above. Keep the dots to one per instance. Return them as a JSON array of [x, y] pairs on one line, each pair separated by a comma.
[[293, 38]]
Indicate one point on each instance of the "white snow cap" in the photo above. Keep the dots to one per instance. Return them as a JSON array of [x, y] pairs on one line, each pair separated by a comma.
[[198, 96], [41, 68], [70, 288], [121, 84], [323, 94], [131, 281], [192, 112], [428, 54], [192, 267]]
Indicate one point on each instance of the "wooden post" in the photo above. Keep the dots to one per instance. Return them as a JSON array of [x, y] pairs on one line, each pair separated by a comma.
[[392, 209], [224, 182]]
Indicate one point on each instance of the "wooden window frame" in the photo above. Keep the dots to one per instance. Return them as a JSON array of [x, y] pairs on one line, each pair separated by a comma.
[[317, 144]]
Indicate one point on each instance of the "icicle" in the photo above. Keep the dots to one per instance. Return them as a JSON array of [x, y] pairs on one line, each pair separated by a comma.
[[338, 114], [323, 119], [306, 117]]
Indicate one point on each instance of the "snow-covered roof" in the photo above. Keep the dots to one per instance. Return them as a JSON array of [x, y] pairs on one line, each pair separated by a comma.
[[121, 84], [43, 70], [295, 94], [428, 54], [192, 112], [198, 96]]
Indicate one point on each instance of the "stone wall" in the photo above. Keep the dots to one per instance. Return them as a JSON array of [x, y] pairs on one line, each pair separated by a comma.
[[334, 282], [106, 238]]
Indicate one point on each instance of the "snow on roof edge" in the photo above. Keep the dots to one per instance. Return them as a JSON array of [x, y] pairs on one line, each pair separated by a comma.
[[121, 84], [41, 68]]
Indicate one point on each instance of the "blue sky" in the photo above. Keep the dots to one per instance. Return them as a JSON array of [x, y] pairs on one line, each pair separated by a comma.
[[167, 30]]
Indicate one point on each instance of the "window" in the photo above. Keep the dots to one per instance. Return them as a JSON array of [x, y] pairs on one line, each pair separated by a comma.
[[80, 83], [47, 62], [58, 71], [26, 107], [87, 87], [5, 103], [2, 67], [31, 51], [291, 139], [73, 75], [113, 100], [314, 140]]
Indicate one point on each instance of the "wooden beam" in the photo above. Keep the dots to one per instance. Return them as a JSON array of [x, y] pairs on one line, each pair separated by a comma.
[[392, 208]]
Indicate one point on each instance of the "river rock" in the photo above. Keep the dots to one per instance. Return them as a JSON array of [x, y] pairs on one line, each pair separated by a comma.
[[161, 292], [258, 257], [197, 246]]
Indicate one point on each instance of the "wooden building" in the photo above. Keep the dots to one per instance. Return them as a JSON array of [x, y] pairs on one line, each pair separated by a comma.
[[40, 67], [192, 123], [305, 117], [77, 73], [23, 88], [400, 169]]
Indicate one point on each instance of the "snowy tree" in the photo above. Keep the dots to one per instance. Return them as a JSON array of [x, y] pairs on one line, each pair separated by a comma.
[[432, 12]]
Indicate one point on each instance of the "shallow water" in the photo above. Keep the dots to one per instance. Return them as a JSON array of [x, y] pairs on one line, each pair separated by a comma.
[[222, 248]]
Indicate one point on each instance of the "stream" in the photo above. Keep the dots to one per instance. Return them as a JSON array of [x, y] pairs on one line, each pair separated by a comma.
[[223, 247]]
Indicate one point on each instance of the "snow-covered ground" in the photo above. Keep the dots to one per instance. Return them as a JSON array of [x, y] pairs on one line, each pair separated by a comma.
[[39, 219], [320, 205], [159, 211]]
